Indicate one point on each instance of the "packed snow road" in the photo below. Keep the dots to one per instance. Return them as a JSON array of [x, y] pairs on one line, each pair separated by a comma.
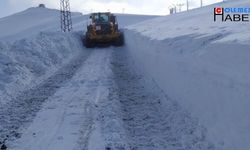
[[100, 101], [22, 109], [66, 120]]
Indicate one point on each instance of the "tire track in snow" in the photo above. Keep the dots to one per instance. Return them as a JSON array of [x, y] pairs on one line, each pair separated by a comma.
[[108, 128], [151, 120], [21, 110], [72, 117]]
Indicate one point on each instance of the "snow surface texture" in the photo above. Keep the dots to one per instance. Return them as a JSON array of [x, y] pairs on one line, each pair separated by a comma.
[[32, 21], [22, 109], [198, 22], [84, 98], [35, 20], [109, 105], [43, 104], [152, 120], [26, 62], [34, 48], [203, 65]]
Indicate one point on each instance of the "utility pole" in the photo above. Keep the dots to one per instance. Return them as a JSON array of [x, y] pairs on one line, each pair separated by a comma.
[[201, 3], [66, 20], [180, 6], [187, 5]]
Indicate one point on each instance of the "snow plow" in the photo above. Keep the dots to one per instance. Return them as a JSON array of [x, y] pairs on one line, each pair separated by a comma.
[[103, 28]]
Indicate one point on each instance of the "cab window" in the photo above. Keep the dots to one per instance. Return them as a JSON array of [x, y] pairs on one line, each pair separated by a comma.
[[101, 18]]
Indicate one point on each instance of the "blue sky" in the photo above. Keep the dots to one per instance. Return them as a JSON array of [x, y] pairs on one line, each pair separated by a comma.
[[155, 7]]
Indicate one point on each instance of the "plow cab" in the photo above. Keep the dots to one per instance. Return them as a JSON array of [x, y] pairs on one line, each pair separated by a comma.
[[103, 28]]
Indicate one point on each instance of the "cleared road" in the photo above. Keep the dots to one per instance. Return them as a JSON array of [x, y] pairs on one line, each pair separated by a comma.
[[100, 101]]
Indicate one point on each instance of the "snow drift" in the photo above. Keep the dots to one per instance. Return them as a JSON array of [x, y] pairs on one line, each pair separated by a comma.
[[202, 64], [34, 20], [28, 61], [32, 48]]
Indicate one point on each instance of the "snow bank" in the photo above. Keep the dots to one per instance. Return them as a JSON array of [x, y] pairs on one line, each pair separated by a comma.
[[198, 22], [26, 62], [34, 20], [203, 65]]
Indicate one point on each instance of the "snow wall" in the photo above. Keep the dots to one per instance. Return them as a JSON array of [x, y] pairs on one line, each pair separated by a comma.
[[27, 62], [209, 79]]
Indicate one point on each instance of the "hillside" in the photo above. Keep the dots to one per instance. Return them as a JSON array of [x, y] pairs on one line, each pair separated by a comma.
[[34, 20], [202, 64]]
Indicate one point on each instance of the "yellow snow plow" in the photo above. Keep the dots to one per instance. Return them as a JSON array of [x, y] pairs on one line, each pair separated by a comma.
[[103, 29]]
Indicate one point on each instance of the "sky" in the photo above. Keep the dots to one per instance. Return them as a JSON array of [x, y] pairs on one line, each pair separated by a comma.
[[150, 7]]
